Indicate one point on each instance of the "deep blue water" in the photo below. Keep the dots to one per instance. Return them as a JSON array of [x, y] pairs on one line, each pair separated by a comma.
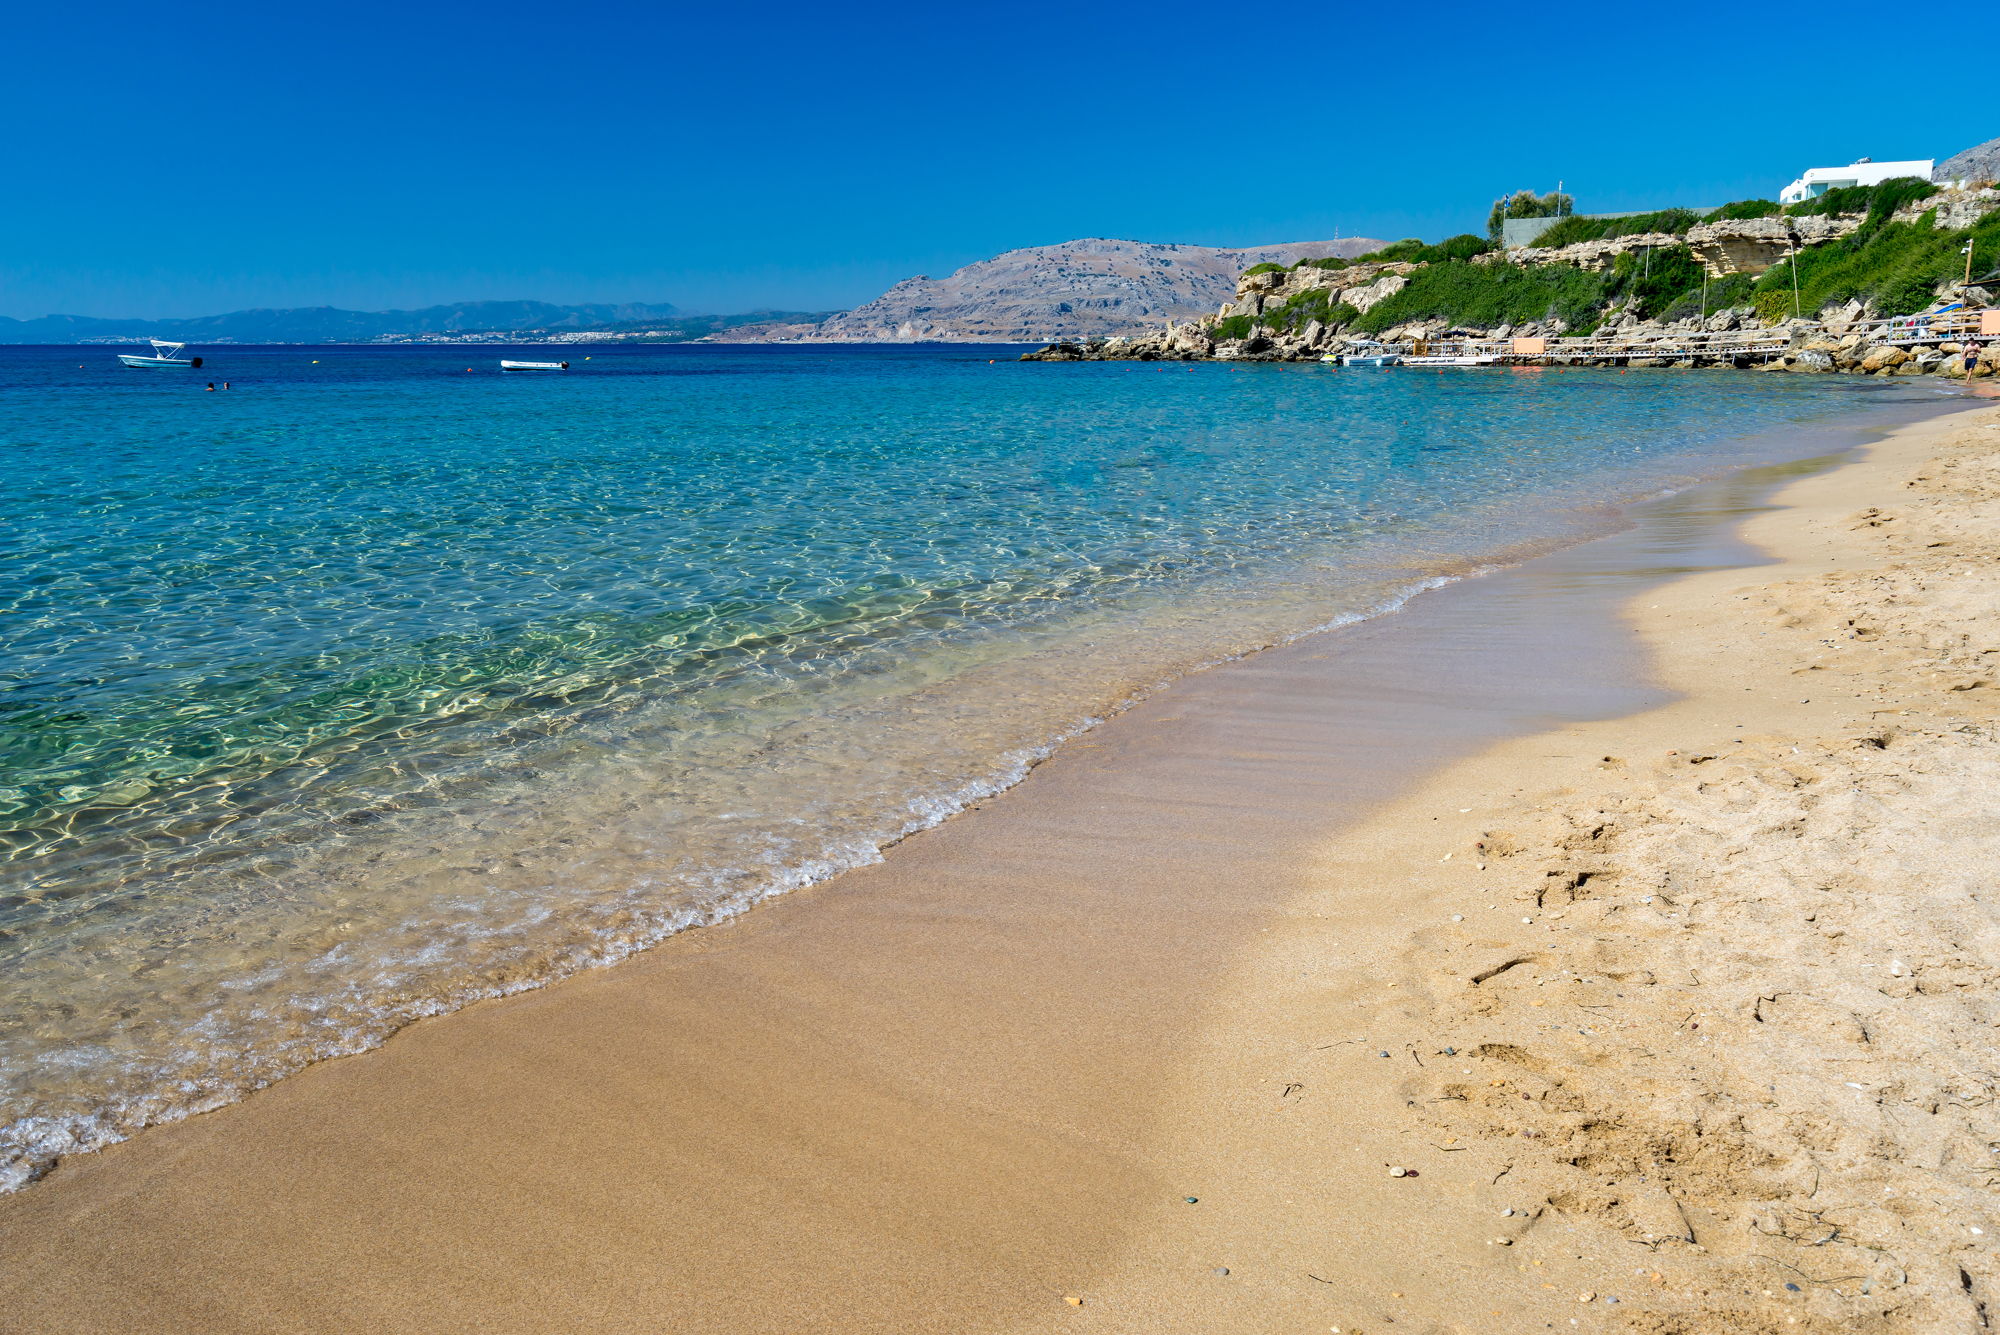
[[302, 681]]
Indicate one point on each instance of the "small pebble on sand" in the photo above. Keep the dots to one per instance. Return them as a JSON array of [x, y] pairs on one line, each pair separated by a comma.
[[1526, 920], [1072, 1300], [1399, 1172], [1222, 1270], [1586, 1297], [1508, 1211], [1458, 917]]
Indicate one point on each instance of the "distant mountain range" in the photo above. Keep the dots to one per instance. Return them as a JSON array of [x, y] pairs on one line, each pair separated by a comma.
[[1089, 288], [327, 324]]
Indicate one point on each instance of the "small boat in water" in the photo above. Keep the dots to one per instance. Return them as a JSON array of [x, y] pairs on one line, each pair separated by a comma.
[[163, 356], [1467, 359], [1370, 354], [533, 366]]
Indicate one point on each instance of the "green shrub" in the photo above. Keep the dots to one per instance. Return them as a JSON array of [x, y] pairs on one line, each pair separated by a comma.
[[1577, 228], [1733, 290], [1330, 262], [1527, 204], [1744, 209], [1486, 295], [1774, 304], [1847, 199], [1266, 267], [1462, 247], [1398, 252], [1412, 251], [1236, 326], [1657, 281]]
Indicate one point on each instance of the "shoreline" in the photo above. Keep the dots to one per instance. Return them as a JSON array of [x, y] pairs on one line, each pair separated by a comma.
[[934, 1076], [96, 1057]]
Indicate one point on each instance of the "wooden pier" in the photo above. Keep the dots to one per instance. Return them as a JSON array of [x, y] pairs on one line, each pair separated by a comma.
[[1735, 347]]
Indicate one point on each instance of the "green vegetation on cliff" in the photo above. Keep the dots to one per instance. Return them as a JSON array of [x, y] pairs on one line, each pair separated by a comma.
[[1486, 295], [1677, 221], [1663, 284], [1575, 228], [1897, 266], [1412, 251], [1745, 209], [1877, 201]]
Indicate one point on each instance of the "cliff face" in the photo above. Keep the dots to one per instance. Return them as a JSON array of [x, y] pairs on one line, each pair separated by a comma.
[[1092, 288]]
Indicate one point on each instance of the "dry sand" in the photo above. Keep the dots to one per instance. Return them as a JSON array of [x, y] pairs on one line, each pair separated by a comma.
[[1699, 990]]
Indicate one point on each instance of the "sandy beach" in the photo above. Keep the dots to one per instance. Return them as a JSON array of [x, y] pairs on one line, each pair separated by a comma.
[[1601, 944]]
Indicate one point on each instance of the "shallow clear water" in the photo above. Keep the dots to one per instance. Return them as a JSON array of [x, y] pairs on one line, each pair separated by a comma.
[[376, 684]]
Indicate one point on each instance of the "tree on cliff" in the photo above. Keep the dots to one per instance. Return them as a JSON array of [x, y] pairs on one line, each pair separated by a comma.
[[1528, 204]]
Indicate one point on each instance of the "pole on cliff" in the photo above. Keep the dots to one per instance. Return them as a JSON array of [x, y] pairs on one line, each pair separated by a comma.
[[1796, 312]]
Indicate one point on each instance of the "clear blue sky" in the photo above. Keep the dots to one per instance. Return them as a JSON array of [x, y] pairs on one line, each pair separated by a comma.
[[173, 159]]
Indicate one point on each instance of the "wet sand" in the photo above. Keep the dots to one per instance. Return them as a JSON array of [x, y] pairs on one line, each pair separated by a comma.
[[956, 1090]]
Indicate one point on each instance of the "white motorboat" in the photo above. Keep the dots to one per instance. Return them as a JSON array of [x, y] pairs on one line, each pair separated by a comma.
[[163, 356], [533, 366], [1370, 354], [1466, 360]]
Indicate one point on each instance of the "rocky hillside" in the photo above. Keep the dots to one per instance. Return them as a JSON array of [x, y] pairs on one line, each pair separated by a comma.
[[1980, 163], [1092, 288]]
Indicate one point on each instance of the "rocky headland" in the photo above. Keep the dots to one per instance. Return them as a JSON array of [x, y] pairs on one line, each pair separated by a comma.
[[1644, 298], [1086, 289]]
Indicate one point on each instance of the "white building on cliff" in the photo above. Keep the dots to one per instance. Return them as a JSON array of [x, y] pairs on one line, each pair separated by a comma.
[[1819, 180]]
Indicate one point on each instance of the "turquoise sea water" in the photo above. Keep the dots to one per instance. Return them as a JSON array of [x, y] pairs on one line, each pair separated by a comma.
[[384, 681]]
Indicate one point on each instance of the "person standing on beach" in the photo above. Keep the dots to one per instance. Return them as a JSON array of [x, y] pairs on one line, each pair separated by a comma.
[[1969, 358]]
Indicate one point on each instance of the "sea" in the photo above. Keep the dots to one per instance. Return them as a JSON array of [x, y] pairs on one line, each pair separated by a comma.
[[382, 680]]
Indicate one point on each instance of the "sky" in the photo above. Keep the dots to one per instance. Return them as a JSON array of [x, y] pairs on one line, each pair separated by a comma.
[[190, 159]]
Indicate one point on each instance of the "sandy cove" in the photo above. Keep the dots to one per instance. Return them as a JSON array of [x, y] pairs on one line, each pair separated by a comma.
[[1699, 990]]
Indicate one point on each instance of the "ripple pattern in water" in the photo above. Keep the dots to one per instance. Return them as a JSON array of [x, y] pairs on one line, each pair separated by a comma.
[[371, 686]]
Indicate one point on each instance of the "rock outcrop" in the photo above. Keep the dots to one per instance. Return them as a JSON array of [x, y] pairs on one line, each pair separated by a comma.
[[1752, 245], [1962, 208], [1592, 255], [1978, 165], [1086, 289], [1359, 285]]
